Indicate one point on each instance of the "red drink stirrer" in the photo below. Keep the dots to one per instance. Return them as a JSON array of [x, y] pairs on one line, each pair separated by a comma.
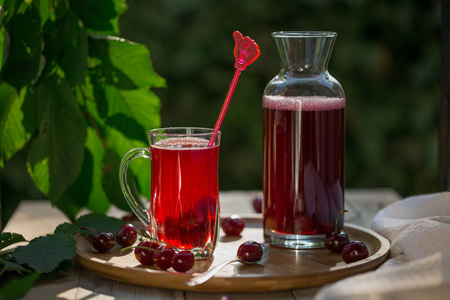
[[246, 51]]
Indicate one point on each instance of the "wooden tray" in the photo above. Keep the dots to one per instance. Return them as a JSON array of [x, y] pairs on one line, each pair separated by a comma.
[[283, 269]]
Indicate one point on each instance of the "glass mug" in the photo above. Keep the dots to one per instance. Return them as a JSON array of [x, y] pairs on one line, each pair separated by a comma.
[[184, 200]]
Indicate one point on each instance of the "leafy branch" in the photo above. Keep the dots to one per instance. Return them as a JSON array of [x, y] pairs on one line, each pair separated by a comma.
[[78, 95], [44, 257]]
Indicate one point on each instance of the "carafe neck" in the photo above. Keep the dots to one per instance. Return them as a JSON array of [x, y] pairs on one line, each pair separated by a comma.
[[304, 52]]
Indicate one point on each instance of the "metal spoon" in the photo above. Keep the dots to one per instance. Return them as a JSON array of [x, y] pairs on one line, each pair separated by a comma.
[[206, 276]]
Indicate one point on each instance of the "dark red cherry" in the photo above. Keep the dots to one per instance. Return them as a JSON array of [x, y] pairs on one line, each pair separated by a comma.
[[129, 218], [250, 251], [163, 258], [354, 251], [127, 235], [145, 256], [233, 225], [103, 241], [335, 241], [304, 223], [257, 202], [183, 261]]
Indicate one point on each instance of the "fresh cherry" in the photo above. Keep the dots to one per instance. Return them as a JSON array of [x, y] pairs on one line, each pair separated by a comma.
[[129, 218], [335, 241], [250, 251], [257, 202], [103, 241], [354, 251], [127, 235], [183, 261], [145, 256], [233, 225], [163, 258]]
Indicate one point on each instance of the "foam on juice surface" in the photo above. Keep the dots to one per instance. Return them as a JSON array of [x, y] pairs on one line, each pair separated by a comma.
[[303, 103], [182, 143]]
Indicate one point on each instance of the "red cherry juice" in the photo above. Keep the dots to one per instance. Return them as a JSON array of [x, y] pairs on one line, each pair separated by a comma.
[[185, 192], [303, 179]]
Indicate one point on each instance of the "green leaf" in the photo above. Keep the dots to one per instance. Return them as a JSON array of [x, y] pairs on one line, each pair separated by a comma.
[[63, 268], [11, 266], [76, 195], [141, 105], [4, 43], [97, 202], [11, 7], [8, 238], [141, 167], [100, 222], [18, 288], [56, 155], [129, 127], [97, 15], [45, 10], [110, 180], [12, 133], [126, 107], [44, 254], [67, 228], [118, 62], [28, 110], [23, 63], [86, 98], [72, 38]]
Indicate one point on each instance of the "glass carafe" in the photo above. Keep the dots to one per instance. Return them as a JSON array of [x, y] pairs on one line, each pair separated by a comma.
[[304, 143]]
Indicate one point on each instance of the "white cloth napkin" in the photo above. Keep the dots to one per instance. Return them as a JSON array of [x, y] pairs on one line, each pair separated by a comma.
[[418, 228]]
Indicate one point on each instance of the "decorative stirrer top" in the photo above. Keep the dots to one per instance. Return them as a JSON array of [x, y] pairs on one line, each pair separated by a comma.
[[246, 51]]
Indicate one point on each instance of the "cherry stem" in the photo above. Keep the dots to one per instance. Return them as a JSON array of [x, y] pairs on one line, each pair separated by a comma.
[[145, 234], [337, 220], [165, 243], [90, 229], [138, 247]]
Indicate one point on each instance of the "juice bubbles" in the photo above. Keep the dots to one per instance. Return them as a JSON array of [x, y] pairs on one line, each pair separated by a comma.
[[185, 192], [303, 166]]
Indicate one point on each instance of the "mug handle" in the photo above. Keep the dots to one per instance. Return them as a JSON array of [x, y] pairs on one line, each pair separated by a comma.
[[139, 211]]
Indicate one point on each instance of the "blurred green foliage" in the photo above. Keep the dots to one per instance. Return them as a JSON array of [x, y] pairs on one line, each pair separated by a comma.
[[71, 103], [386, 57]]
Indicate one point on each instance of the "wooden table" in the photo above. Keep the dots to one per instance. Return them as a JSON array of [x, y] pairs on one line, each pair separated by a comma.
[[36, 218]]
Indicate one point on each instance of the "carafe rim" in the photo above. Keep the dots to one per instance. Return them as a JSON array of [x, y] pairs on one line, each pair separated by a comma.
[[303, 34]]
